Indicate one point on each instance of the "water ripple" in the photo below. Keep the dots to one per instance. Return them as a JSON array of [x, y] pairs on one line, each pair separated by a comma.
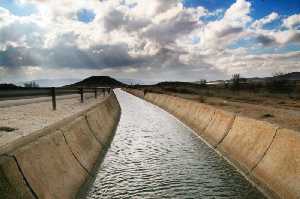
[[155, 156]]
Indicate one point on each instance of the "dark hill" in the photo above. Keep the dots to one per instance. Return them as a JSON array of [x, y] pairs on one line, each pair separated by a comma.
[[99, 81], [8, 86], [294, 76], [175, 83]]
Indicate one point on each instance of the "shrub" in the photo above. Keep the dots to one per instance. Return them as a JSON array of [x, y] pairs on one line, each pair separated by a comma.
[[31, 85], [235, 82], [279, 84], [203, 82]]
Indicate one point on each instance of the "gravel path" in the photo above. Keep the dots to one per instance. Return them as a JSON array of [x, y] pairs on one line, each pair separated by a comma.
[[18, 119]]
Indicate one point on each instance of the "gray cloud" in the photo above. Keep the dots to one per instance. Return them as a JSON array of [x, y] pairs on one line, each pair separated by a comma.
[[100, 56], [229, 30], [117, 19], [28, 33], [265, 40], [295, 37], [15, 57], [169, 30], [268, 40]]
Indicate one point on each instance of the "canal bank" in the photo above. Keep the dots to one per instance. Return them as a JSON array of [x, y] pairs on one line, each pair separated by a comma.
[[153, 155], [265, 153], [56, 161]]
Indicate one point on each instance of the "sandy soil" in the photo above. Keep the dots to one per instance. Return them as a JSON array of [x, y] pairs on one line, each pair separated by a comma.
[[18, 119], [285, 114]]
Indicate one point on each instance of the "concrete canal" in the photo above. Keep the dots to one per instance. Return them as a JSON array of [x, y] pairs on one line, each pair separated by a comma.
[[153, 155]]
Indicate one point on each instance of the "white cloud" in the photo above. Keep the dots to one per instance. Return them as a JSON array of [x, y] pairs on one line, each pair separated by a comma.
[[218, 34], [158, 39], [265, 20], [292, 21], [238, 12]]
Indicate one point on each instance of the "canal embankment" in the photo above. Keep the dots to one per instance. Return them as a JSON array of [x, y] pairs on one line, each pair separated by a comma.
[[266, 154], [57, 160]]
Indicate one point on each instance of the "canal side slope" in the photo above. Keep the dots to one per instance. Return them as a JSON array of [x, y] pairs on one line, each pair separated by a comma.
[[265, 153], [56, 161]]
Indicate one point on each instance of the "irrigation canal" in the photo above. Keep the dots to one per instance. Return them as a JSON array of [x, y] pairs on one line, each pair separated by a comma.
[[155, 156]]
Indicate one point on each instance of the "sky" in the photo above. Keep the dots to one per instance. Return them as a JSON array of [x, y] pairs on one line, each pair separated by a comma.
[[157, 40]]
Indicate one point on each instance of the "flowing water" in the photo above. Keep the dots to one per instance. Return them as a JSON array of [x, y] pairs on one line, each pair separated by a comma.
[[155, 156]]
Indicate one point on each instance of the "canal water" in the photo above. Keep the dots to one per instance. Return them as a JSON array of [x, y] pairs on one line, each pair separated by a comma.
[[155, 156]]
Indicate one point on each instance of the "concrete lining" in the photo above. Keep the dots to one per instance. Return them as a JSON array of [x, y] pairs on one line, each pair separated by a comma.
[[280, 168], [13, 184], [218, 127], [247, 142], [57, 161], [82, 143], [50, 167]]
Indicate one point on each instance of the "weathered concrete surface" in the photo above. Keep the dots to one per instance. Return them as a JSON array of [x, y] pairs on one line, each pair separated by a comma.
[[218, 127], [12, 183], [195, 115], [82, 143], [56, 161], [50, 167], [279, 170], [263, 152], [96, 125], [247, 142], [103, 119]]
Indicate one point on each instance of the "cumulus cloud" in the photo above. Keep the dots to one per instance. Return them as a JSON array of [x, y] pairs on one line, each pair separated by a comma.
[[169, 30], [277, 36], [292, 21], [117, 19], [157, 39], [265, 20], [220, 33], [99, 56]]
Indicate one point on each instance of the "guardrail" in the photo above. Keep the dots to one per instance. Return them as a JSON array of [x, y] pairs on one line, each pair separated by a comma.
[[22, 93]]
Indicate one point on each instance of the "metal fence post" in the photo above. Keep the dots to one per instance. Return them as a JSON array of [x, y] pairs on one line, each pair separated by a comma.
[[96, 94], [81, 95], [53, 95]]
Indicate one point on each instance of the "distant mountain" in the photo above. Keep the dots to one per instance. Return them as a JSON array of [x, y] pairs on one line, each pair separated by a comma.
[[176, 83], [294, 76], [99, 81], [8, 86]]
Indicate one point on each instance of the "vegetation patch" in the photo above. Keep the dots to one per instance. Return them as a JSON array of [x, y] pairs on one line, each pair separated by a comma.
[[267, 115], [7, 129]]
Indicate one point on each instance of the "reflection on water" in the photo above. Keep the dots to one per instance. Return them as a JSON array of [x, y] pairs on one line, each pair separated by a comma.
[[155, 156]]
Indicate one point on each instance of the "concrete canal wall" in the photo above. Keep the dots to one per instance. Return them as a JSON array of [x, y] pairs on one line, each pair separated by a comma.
[[266, 154], [57, 161]]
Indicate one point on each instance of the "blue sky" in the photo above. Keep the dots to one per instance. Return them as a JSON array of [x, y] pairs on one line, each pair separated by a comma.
[[153, 40], [260, 8], [85, 15], [18, 9]]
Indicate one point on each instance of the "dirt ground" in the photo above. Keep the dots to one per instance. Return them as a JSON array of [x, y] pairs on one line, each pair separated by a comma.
[[18, 119], [284, 112]]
